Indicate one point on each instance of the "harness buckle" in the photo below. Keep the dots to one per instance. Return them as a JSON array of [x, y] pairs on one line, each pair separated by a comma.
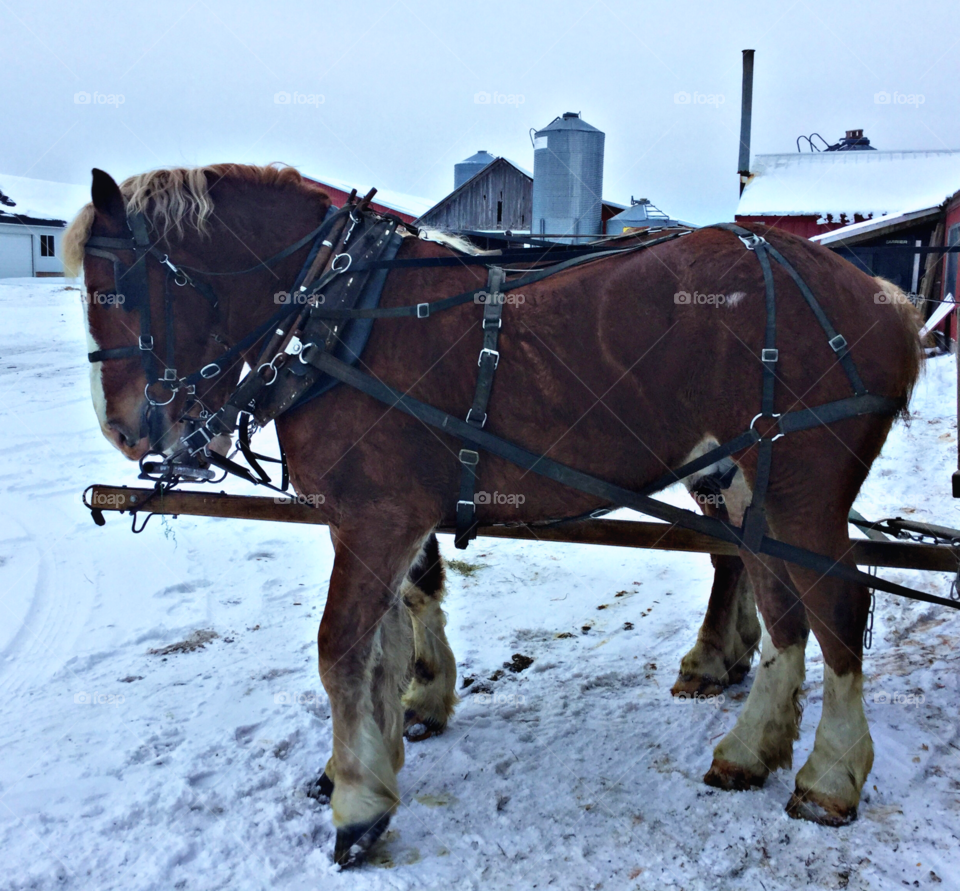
[[769, 355], [494, 353], [498, 320], [294, 347], [837, 343], [341, 269], [479, 423], [169, 374], [146, 343], [423, 310], [206, 373], [752, 241], [469, 457]]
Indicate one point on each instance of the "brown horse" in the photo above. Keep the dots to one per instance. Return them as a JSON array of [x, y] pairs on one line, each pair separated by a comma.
[[604, 368]]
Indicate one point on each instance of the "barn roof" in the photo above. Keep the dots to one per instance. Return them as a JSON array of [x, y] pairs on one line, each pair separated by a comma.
[[884, 225], [865, 183], [41, 199], [411, 206]]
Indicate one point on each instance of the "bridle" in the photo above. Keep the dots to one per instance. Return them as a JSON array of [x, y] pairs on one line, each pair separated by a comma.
[[136, 296]]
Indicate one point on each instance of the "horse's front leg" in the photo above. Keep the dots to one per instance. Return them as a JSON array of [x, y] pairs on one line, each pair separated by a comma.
[[365, 649]]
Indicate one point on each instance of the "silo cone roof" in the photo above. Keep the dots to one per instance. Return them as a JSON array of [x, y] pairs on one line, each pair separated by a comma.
[[480, 157], [569, 123]]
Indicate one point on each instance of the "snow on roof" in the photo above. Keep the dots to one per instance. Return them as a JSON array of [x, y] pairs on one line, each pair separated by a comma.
[[413, 205], [852, 182], [523, 170], [42, 199], [856, 230]]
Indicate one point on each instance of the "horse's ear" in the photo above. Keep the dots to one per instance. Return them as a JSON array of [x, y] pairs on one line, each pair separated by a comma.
[[106, 197]]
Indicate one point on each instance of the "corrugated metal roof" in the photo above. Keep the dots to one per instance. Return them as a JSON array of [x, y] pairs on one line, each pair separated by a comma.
[[849, 183]]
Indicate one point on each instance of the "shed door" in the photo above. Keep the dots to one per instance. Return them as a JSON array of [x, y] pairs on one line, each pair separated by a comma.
[[16, 255]]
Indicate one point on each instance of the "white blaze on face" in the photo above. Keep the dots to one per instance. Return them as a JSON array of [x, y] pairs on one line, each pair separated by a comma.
[[96, 374]]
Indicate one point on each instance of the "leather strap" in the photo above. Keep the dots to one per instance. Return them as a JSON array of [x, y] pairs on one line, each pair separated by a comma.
[[605, 491], [477, 415]]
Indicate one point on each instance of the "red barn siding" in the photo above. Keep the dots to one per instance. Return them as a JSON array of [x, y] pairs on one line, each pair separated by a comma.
[[804, 225], [951, 218]]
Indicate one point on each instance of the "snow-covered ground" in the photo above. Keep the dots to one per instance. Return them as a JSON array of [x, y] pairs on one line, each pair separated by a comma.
[[125, 769]]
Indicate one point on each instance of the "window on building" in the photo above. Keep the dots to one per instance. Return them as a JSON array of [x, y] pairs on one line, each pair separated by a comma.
[[499, 212], [47, 246]]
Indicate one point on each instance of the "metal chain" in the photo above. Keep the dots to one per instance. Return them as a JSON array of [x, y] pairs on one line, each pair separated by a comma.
[[868, 629]]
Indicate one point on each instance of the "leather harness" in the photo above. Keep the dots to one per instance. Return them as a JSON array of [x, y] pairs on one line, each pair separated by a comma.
[[302, 352]]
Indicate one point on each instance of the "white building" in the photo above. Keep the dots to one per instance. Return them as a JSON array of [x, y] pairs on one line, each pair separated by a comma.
[[33, 216]]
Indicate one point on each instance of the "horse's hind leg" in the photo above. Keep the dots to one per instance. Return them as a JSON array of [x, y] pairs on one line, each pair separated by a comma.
[[762, 739], [828, 785], [431, 696], [730, 633], [728, 637], [364, 646]]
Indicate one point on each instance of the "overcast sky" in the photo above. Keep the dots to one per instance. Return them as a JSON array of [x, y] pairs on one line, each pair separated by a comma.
[[385, 93]]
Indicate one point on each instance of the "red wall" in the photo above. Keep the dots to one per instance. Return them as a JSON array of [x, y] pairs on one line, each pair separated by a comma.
[[951, 219], [804, 225]]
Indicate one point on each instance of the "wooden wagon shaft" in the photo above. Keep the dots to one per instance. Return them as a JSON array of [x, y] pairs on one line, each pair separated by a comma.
[[618, 533]]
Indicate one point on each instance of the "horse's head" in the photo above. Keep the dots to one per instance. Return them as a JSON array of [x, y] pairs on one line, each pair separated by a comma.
[[151, 325]]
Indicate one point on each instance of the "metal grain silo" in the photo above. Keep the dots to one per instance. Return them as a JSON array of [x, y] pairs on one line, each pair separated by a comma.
[[470, 167], [568, 179]]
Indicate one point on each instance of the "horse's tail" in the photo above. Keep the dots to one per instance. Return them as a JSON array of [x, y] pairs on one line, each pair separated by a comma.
[[909, 324]]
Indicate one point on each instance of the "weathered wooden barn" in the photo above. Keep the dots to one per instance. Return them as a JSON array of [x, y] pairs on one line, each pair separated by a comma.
[[499, 197]]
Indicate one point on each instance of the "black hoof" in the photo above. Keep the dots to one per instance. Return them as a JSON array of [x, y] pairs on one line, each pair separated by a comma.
[[353, 842], [321, 789]]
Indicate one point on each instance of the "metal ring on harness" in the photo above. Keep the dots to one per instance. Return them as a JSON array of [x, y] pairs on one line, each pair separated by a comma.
[[774, 417], [216, 370], [152, 401], [752, 241], [303, 352], [336, 268], [273, 368]]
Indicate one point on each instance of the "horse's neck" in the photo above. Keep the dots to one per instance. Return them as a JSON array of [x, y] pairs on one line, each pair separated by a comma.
[[249, 300]]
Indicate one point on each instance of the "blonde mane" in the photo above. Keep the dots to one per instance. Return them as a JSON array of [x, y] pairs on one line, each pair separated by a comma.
[[451, 240], [174, 198]]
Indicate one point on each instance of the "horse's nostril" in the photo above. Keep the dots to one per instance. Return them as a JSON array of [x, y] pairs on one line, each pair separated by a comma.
[[126, 437]]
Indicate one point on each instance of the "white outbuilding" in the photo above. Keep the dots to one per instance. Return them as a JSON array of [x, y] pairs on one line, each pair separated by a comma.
[[33, 216]]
